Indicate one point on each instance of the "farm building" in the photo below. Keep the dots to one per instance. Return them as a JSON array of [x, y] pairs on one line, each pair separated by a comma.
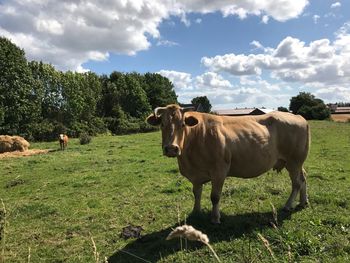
[[243, 111], [339, 110]]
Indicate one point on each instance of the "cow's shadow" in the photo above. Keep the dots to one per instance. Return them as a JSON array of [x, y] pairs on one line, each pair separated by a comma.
[[153, 247]]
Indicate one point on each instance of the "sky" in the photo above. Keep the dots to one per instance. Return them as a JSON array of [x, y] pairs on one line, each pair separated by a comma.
[[238, 53]]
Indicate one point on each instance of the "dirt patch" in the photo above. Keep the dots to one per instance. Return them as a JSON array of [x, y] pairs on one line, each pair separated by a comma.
[[25, 153], [131, 232], [340, 117], [14, 182]]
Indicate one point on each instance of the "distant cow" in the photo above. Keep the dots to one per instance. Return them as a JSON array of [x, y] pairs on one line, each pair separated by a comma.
[[63, 139], [209, 148]]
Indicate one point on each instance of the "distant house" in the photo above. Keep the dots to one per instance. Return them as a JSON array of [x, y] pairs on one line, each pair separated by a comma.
[[243, 111], [339, 110]]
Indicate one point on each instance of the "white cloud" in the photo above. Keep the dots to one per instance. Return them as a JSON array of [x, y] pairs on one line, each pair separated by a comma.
[[167, 43], [233, 64], [69, 33], [316, 18], [280, 10], [257, 44], [342, 42], [321, 63], [250, 91], [265, 19], [249, 81], [336, 4], [49, 26], [212, 80], [181, 80], [334, 94]]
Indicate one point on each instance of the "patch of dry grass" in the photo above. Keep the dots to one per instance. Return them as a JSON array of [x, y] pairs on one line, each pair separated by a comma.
[[25, 153], [340, 117]]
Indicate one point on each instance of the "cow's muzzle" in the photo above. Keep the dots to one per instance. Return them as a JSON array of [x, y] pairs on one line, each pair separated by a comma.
[[171, 150]]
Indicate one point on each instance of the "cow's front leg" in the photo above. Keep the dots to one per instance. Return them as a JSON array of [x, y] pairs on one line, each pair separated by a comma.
[[197, 192], [216, 188]]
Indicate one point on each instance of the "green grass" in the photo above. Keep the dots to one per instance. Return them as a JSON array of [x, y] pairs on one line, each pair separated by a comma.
[[57, 203]]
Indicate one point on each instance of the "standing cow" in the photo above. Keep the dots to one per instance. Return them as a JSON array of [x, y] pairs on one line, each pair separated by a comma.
[[63, 139], [209, 148]]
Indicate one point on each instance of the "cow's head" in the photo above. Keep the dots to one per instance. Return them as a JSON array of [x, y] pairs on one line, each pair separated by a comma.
[[173, 122]]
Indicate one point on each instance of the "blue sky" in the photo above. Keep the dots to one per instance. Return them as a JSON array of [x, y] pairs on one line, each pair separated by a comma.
[[250, 53]]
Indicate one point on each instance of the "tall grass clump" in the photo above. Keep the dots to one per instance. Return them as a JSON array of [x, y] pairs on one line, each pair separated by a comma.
[[190, 233]]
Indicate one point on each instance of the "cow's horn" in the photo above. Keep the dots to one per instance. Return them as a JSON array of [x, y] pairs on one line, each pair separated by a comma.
[[158, 110]]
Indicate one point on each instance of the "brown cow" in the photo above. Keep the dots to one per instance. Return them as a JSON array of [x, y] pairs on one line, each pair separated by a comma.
[[209, 148], [63, 139]]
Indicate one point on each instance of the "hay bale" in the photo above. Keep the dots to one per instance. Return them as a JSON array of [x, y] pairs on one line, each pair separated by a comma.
[[20, 144], [13, 143], [5, 144]]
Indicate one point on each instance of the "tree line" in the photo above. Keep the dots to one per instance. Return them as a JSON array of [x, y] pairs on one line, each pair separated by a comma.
[[38, 102]]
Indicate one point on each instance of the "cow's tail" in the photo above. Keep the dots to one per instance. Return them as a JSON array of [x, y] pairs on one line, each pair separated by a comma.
[[308, 139]]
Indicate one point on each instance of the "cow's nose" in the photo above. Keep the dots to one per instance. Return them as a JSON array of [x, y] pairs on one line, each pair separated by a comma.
[[171, 150]]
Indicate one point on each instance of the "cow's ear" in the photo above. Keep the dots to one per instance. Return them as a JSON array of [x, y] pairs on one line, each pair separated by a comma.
[[153, 120], [191, 121]]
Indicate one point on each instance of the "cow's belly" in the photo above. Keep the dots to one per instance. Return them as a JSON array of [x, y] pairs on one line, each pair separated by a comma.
[[252, 165], [248, 171]]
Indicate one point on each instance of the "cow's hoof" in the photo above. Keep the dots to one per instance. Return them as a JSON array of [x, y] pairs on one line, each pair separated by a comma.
[[196, 211], [287, 209], [215, 221], [302, 205]]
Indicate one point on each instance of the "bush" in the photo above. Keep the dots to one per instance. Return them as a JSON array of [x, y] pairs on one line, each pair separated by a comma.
[[320, 112], [84, 138], [97, 126], [308, 106]]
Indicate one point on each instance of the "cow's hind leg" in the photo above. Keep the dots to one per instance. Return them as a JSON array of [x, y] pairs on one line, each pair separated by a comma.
[[197, 192], [303, 189], [216, 188], [296, 175]]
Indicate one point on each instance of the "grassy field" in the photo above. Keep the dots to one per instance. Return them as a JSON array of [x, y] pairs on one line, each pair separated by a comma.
[[72, 206]]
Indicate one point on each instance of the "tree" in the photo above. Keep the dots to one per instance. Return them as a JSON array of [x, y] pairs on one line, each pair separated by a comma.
[[159, 90], [284, 109], [50, 90], [309, 106], [81, 93], [203, 102], [19, 97], [134, 99]]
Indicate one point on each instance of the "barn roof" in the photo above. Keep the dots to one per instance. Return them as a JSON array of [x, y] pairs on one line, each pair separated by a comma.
[[243, 111], [342, 110]]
